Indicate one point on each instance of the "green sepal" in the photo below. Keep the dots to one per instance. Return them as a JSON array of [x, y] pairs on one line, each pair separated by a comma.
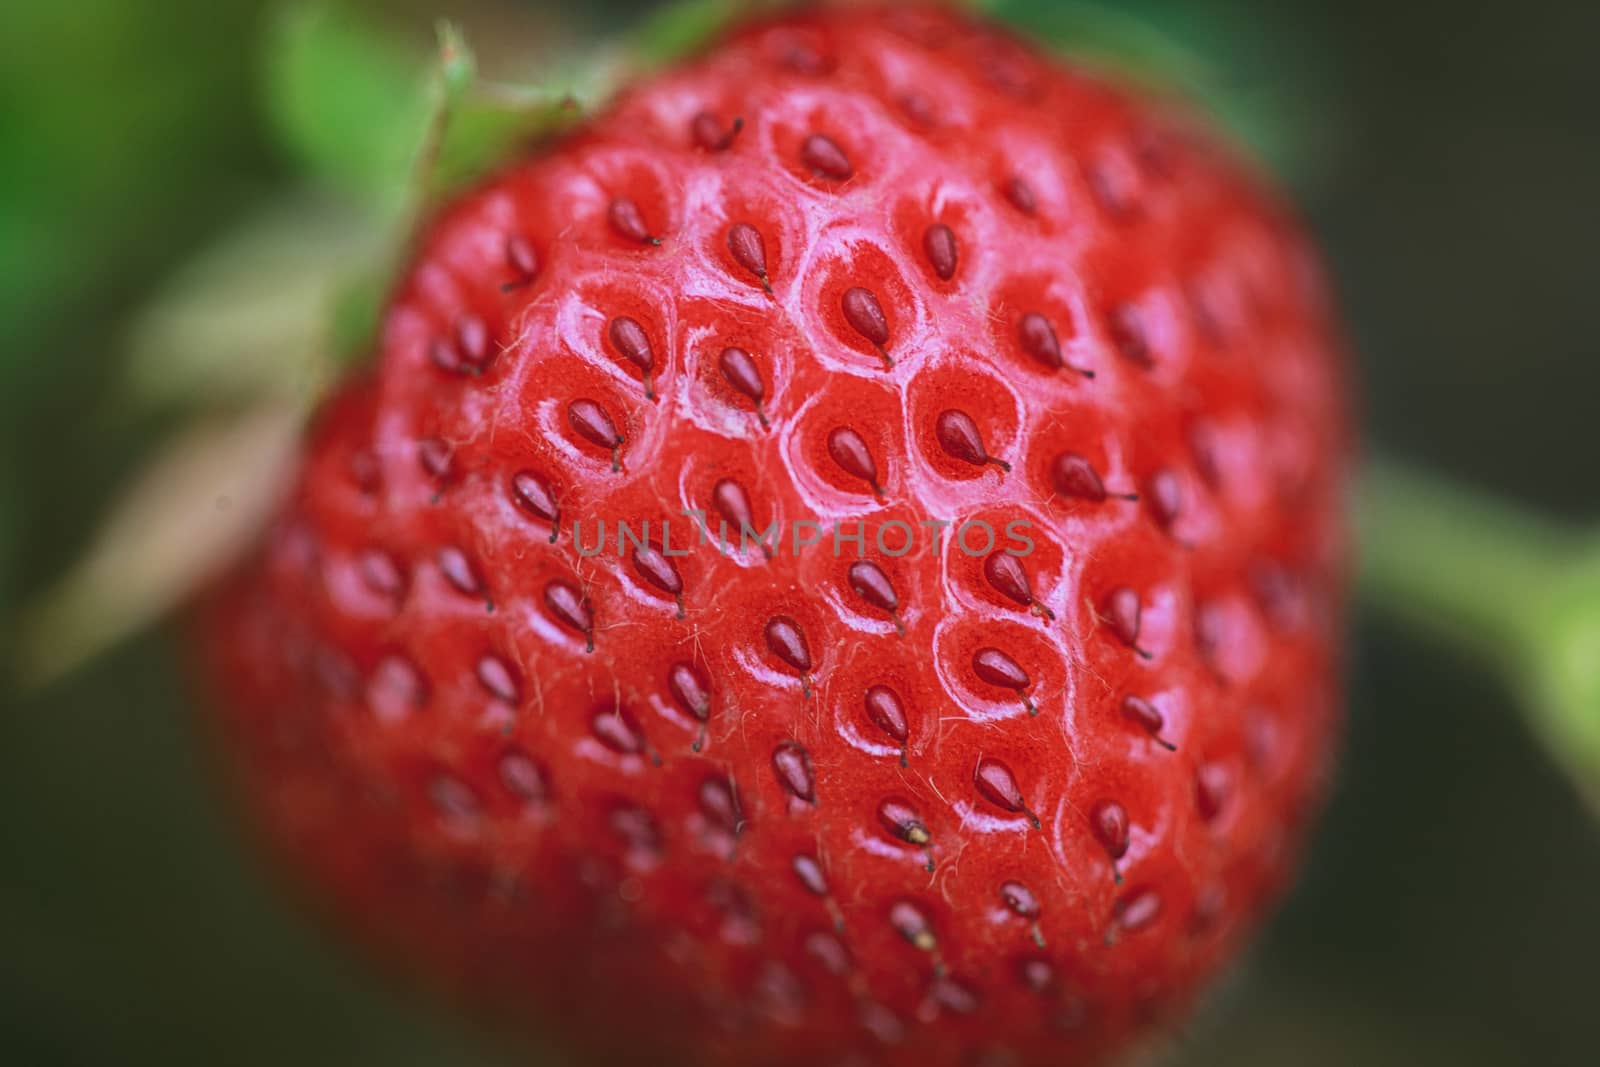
[[346, 100]]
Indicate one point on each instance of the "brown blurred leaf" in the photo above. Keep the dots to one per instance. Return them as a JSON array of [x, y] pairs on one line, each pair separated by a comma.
[[250, 316], [195, 506]]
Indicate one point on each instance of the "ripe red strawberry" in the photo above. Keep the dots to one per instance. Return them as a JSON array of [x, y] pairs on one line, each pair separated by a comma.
[[1007, 800]]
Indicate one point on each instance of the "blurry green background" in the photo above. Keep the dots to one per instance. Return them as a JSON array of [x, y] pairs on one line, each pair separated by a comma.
[[1449, 155]]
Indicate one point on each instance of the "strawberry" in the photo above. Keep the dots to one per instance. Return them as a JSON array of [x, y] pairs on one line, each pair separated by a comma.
[[1006, 733]]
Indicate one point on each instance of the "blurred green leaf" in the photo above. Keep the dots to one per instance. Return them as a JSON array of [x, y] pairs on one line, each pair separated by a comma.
[[1134, 44], [675, 30], [1517, 590], [97, 97], [273, 305], [348, 100], [10, 527], [361, 111]]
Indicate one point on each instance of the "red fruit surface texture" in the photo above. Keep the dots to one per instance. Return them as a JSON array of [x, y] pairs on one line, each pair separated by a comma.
[[757, 807]]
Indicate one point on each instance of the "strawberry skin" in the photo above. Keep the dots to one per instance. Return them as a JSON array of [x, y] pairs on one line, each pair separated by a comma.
[[948, 805]]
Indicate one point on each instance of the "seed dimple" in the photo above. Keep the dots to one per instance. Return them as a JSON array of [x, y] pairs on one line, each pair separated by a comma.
[[939, 245], [917, 109], [954, 996], [1006, 67], [829, 951], [570, 606], [628, 221], [459, 571], [824, 158], [382, 573], [882, 1023], [1208, 907], [1109, 822], [396, 689], [888, 713], [792, 764], [1210, 633], [336, 676], [660, 572], [996, 668], [495, 675], [926, 27], [634, 344], [1020, 193], [1020, 899], [1143, 713], [522, 259], [1204, 445], [1165, 494], [749, 251], [710, 135], [787, 641], [532, 494], [472, 340], [1037, 974], [1203, 304], [997, 785], [590, 420], [865, 316], [799, 55], [873, 586], [958, 436], [1212, 786], [1128, 334], [1112, 189], [731, 501], [638, 830], [453, 800], [809, 871], [690, 690], [443, 354], [902, 822], [1121, 612], [742, 373], [693, 694], [435, 458], [733, 504], [1278, 592], [1006, 576], [522, 777], [1138, 910], [911, 924], [1039, 340], [616, 730], [740, 924], [720, 803], [1075, 477], [467, 350], [780, 994], [364, 472], [850, 452]]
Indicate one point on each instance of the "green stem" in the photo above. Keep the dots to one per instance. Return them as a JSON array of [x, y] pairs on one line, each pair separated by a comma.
[[1469, 570], [1521, 592]]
